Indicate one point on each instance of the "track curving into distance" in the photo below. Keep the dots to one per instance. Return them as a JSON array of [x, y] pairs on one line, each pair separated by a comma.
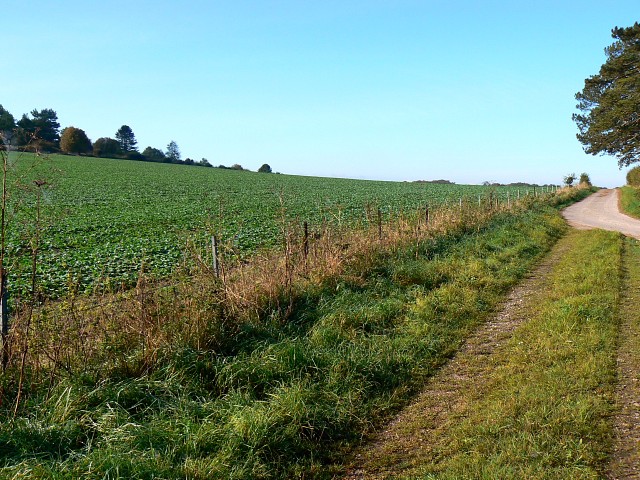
[[600, 210]]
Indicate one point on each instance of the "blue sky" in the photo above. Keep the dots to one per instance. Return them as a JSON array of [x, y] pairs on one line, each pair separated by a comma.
[[394, 90]]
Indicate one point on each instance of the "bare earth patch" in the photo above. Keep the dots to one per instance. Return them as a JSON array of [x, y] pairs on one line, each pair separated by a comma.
[[412, 438]]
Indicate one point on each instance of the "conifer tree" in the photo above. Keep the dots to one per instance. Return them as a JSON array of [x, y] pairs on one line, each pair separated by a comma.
[[609, 122]]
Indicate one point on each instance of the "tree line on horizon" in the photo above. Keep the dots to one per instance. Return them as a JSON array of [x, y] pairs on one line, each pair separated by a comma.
[[39, 131]]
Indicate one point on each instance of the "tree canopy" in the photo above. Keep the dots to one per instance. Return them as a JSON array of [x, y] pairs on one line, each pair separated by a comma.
[[265, 168], [569, 179], [127, 139], [584, 179], [633, 177], [40, 128], [610, 101], [106, 147], [74, 140], [173, 152], [7, 122], [153, 154]]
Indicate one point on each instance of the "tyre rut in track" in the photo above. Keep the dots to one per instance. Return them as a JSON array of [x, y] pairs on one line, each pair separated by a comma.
[[413, 434]]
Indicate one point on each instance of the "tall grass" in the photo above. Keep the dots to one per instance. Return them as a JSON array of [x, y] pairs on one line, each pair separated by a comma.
[[272, 372], [630, 201]]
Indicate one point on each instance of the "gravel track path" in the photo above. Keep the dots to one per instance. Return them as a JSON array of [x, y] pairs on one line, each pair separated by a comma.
[[601, 210], [414, 432]]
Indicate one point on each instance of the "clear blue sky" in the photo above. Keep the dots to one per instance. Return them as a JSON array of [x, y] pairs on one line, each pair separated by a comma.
[[396, 90]]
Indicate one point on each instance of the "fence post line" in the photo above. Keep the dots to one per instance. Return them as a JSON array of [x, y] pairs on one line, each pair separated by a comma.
[[379, 224], [214, 252], [426, 215], [305, 241]]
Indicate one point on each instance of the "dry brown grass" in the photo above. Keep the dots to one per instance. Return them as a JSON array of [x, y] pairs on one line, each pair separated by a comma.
[[128, 330]]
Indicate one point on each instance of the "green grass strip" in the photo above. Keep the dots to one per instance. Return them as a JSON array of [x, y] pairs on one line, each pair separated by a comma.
[[630, 201], [285, 399], [550, 396], [626, 450]]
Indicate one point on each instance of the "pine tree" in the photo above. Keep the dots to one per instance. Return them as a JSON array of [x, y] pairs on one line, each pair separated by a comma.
[[173, 152], [127, 139], [610, 101]]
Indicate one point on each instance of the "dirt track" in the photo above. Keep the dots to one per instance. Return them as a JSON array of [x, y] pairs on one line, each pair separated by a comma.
[[600, 210], [415, 432]]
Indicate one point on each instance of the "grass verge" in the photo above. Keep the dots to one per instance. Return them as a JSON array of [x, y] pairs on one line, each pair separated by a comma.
[[630, 201], [626, 446], [545, 413], [282, 394]]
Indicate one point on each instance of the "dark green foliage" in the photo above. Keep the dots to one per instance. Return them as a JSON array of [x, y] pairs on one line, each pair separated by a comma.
[[106, 147], [265, 169], [74, 140], [610, 101], [108, 216], [7, 122], [569, 179], [153, 154], [585, 180], [633, 177], [173, 152], [39, 131], [134, 155], [126, 139]]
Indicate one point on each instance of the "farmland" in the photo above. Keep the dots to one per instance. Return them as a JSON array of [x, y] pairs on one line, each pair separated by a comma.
[[103, 219], [277, 370]]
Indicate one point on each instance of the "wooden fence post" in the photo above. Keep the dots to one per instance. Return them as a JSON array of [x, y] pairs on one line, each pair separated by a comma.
[[379, 224], [214, 252], [305, 241]]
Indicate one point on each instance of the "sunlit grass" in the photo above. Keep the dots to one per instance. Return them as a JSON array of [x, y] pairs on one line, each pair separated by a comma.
[[546, 411], [187, 384], [630, 201]]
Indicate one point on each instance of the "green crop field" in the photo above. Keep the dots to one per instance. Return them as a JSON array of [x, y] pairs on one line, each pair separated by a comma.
[[101, 219]]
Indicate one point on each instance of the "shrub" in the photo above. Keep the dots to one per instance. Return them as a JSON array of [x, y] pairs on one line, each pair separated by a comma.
[[106, 147], [74, 140], [633, 177]]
